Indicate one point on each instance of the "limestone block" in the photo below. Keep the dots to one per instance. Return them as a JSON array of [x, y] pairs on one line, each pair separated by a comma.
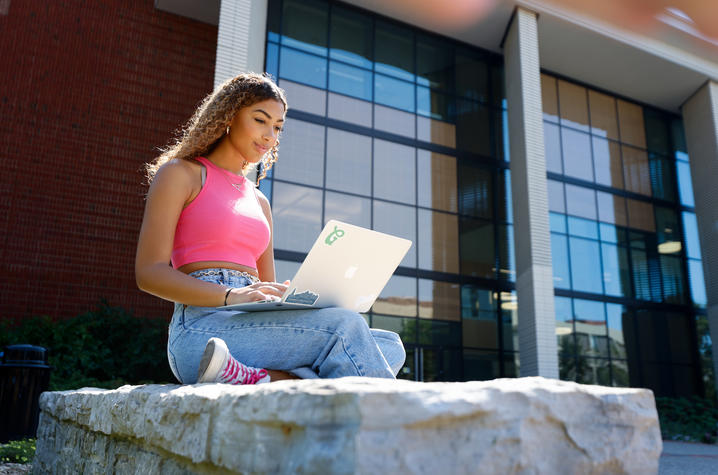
[[351, 425]]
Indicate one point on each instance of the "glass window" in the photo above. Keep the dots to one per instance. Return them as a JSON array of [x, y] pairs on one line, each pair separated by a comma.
[[503, 196], [302, 67], [400, 221], [274, 15], [603, 115], [548, 98], [481, 365], [441, 365], [616, 315], [434, 104], [581, 202], [479, 322], [434, 63], [394, 92], [304, 25], [640, 215], [559, 257], [346, 208], [636, 170], [475, 190], [668, 233], [397, 298], [438, 244], [438, 332], [613, 234], [690, 230], [573, 105], [272, 59], [673, 281], [557, 222], [679, 139], [437, 181], [501, 135], [662, 178], [507, 260], [582, 227], [646, 287], [607, 162], [297, 214], [630, 118], [473, 131], [305, 98], [698, 286], [394, 121], [590, 321], [348, 162], [394, 50], [472, 75], [439, 300], [616, 273], [394, 175], [685, 186], [350, 80], [656, 132], [556, 201], [552, 143], [585, 265], [286, 270], [498, 85], [301, 154], [405, 327], [593, 371], [510, 319], [611, 208], [436, 131], [351, 37], [476, 248], [577, 154], [351, 110]]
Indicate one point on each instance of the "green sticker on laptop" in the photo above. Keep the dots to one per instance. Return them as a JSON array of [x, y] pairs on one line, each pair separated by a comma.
[[333, 236]]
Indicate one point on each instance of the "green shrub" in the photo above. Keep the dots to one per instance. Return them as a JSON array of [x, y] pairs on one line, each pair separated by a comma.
[[693, 420], [17, 451], [105, 348]]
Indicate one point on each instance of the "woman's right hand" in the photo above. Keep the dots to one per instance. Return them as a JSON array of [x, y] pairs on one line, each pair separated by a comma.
[[256, 292]]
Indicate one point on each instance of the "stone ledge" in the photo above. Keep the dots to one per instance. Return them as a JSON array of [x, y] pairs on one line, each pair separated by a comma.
[[351, 425]]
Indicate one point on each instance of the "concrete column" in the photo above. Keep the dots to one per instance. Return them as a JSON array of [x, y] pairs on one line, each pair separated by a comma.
[[700, 119], [240, 38], [532, 238]]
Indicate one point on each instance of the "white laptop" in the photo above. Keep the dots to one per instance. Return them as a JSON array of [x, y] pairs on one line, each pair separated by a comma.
[[348, 266]]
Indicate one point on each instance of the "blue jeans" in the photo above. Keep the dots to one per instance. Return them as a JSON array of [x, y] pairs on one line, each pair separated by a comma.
[[317, 343]]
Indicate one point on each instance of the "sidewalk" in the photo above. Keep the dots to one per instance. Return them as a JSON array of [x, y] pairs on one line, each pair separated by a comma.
[[688, 458]]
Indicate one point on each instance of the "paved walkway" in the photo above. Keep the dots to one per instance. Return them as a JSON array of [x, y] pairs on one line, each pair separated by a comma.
[[688, 458]]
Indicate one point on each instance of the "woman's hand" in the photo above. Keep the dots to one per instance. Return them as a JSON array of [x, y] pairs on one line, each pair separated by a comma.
[[257, 292]]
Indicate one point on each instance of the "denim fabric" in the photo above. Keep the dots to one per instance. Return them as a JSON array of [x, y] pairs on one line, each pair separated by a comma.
[[317, 343]]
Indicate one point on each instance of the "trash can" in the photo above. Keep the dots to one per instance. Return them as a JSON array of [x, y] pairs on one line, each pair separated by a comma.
[[24, 374]]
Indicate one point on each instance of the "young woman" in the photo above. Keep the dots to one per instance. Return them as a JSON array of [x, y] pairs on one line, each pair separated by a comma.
[[206, 241]]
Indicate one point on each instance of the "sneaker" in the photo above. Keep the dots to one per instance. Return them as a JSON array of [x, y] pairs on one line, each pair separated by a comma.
[[218, 366]]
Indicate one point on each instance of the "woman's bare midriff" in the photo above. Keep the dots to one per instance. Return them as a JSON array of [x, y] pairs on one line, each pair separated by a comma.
[[193, 266]]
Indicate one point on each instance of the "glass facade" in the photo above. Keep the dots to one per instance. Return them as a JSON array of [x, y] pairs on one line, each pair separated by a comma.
[[404, 132], [626, 259]]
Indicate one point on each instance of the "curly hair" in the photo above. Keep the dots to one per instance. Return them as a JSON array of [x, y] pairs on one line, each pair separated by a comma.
[[208, 125]]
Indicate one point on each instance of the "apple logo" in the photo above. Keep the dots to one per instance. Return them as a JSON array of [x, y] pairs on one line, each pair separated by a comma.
[[351, 270]]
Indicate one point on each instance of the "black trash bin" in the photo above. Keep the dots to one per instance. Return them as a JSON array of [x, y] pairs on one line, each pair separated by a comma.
[[24, 374]]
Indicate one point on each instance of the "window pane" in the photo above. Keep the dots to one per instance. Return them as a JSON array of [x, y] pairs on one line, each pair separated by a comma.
[[481, 365], [548, 98], [274, 15], [698, 286], [434, 104], [498, 85], [603, 115], [556, 201], [564, 323], [272, 61], [405, 327], [636, 170], [350, 80], [630, 118], [302, 67], [351, 110], [397, 298], [552, 143], [607, 162], [501, 135], [611, 208], [475, 191], [394, 121], [577, 154], [594, 371], [394, 50], [685, 186], [616, 315], [301, 154], [436, 131], [581, 202], [510, 320], [394, 92], [476, 241], [674, 289], [656, 132], [346, 208], [582, 227], [645, 283], [439, 300], [503, 196], [305, 98], [348, 162], [585, 265], [616, 274], [297, 216], [434, 63], [507, 260], [557, 223], [668, 232], [304, 25], [439, 332], [662, 178], [394, 177], [478, 311], [559, 257], [438, 244], [351, 37], [437, 181], [690, 230], [400, 221], [640, 215], [286, 270], [472, 76], [473, 131], [573, 105], [440, 365], [591, 334]]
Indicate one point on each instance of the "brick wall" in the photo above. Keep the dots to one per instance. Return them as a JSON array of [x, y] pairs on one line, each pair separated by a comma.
[[88, 90]]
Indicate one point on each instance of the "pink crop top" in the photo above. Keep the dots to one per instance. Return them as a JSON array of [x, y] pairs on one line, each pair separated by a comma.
[[224, 222]]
